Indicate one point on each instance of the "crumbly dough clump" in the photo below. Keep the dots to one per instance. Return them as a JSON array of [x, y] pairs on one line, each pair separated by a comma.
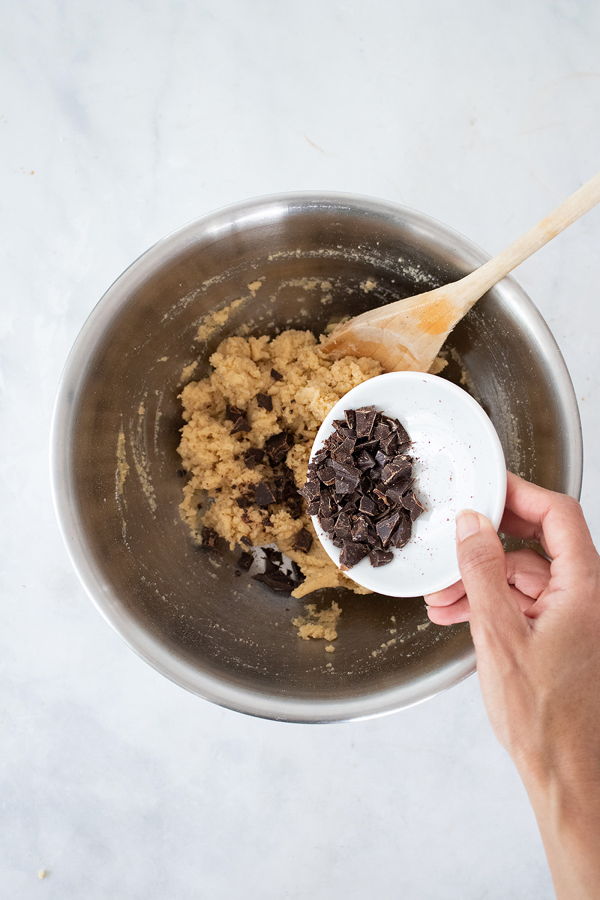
[[312, 383]]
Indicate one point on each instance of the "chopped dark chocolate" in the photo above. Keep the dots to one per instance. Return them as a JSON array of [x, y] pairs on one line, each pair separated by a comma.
[[352, 554], [360, 529], [380, 557], [311, 489], [401, 535], [243, 502], [410, 502], [278, 445], [313, 507], [350, 417], [359, 485], [253, 457], [326, 474], [276, 376], [343, 452], [365, 419], [245, 560], [263, 494], [385, 527], [274, 575], [364, 460], [366, 505], [295, 505], [265, 402], [233, 412], [208, 537], [302, 541], [240, 424]]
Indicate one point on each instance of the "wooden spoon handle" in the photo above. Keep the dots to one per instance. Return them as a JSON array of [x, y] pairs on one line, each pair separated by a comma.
[[474, 285]]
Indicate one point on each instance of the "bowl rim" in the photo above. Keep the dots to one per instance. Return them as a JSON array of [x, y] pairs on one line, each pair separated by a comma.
[[214, 224]]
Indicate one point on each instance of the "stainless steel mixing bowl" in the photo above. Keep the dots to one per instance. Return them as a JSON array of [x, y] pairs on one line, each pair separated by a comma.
[[188, 612]]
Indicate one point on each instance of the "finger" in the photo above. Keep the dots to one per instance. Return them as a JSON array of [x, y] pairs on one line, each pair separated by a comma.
[[450, 615], [461, 610], [483, 568], [447, 596], [556, 517], [527, 571], [515, 526]]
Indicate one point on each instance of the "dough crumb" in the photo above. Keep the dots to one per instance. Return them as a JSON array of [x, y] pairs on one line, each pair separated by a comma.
[[42, 873], [329, 648], [423, 626], [320, 625], [215, 320], [255, 286], [187, 372], [368, 285]]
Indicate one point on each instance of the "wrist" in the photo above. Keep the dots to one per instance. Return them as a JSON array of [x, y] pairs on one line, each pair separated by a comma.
[[566, 802]]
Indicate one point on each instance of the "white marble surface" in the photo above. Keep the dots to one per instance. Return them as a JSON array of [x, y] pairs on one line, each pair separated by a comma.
[[118, 122]]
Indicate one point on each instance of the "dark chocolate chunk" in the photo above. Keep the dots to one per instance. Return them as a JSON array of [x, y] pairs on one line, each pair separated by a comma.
[[276, 376], [277, 581], [385, 527], [295, 505], [380, 557], [352, 554], [366, 444], [381, 432], [240, 424], [265, 402], [381, 458], [326, 474], [313, 507], [253, 457], [327, 506], [233, 412], [311, 489], [401, 535], [410, 502], [397, 470], [243, 502], [365, 419], [350, 417], [263, 494], [278, 445], [343, 451], [246, 541], [208, 537], [366, 505], [303, 541], [364, 460], [245, 560], [343, 526], [182, 473], [327, 523], [360, 529]]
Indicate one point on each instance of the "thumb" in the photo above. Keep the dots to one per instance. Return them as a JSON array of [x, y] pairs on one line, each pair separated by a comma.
[[483, 571]]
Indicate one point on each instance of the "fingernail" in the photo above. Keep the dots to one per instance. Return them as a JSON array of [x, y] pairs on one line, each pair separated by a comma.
[[467, 523]]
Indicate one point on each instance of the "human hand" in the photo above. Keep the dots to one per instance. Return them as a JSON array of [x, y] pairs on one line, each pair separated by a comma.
[[535, 623]]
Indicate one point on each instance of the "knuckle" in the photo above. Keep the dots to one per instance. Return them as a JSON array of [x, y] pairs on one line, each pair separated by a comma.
[[570, 506]]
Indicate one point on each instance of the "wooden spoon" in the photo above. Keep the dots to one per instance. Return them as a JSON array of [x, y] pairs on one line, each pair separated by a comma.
[[408, 334]]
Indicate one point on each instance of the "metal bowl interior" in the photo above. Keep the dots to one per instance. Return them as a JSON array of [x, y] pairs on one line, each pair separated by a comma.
[[187, 612]]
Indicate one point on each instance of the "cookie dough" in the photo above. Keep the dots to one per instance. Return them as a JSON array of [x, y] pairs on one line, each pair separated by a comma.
[[303, 384]]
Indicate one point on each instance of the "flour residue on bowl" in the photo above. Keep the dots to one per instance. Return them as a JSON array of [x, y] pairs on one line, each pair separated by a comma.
[[215, 320], [122, 469]]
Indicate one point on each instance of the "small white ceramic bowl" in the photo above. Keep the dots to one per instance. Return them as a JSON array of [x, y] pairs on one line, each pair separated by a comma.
[[458, 464]]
